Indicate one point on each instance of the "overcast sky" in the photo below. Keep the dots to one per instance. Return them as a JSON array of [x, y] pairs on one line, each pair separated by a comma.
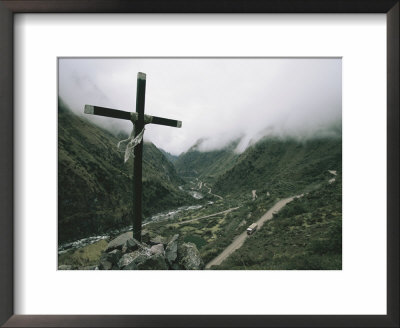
[[216, 99]]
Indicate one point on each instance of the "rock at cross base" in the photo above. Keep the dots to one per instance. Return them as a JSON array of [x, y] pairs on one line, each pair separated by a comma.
[[157, 249], [189, 257], [158, 240], [171, 251], [145, 236], [88, 267], [133, 265], [110, 260], [119, 242], [130, 246], [105, 265], [146, 262], [114, 256], [65, 267], [127, 259], [155, 262]]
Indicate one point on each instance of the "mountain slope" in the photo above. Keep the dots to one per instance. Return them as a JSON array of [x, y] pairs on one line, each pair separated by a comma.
[[284, 165], [94, 184], [305, 235], [169, 156]]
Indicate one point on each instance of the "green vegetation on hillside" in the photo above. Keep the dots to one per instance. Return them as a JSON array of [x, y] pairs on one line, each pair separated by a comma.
[[95, 196], [95, 186], [285, 166], [169, 156], [275, 168], [212, 234], [305, 235], [84, 257]]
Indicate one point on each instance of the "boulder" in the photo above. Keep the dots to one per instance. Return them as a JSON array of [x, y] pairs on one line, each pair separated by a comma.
[[158, 240], [145, 236], [127, 258], [114, 256], [175, 266], [171, 251], [146, 262], [105, 265], [88, 267], [130, 246], [155, 262], [119, 242], [65, 267], [157, 249], [136, 255], [133, 265], [109, 260], [189, 257]]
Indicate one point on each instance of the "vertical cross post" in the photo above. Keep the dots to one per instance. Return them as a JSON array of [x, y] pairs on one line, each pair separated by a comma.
[[139, 119], [137, 165]]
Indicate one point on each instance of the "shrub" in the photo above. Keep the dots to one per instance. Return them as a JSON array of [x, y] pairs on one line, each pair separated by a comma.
[[197, 240]]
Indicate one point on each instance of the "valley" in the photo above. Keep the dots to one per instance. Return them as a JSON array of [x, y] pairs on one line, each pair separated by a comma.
[[290, 188]]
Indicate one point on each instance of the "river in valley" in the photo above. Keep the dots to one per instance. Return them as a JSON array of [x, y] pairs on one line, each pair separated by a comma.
[[163, 216]]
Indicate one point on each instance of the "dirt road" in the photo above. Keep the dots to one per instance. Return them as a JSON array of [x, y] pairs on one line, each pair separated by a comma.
[[239, 240], [208, 216], [209, 191]]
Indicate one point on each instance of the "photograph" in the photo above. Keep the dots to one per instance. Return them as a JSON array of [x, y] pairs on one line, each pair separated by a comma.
[[246, 151], [199, 163]]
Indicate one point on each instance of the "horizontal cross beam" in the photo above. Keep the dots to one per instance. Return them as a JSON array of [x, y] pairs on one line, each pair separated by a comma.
[[131, 116]]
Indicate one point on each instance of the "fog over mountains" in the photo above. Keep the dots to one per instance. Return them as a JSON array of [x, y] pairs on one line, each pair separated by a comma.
[[218, 100]]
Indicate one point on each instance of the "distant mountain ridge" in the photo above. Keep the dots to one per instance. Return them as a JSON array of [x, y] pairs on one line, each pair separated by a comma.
[[272, 163], [206, 164]]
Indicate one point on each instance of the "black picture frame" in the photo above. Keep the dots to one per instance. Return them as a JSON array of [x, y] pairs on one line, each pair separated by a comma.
[[10, 7]]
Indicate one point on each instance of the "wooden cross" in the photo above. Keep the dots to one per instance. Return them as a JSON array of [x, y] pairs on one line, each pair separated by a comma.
[[139, 119]]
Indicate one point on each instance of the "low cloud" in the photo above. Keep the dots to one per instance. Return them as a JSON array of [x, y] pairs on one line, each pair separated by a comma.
[[218, 100]]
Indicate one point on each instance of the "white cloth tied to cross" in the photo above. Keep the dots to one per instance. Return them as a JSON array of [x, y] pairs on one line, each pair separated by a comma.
[[130, 144]]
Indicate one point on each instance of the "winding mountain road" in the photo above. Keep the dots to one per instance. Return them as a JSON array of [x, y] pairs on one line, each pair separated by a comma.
[[239, 240], [209, 191]]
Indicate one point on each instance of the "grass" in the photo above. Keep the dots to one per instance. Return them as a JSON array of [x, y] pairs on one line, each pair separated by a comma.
[[305, 235], [195, 239], [85, 256], [211, 235]]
